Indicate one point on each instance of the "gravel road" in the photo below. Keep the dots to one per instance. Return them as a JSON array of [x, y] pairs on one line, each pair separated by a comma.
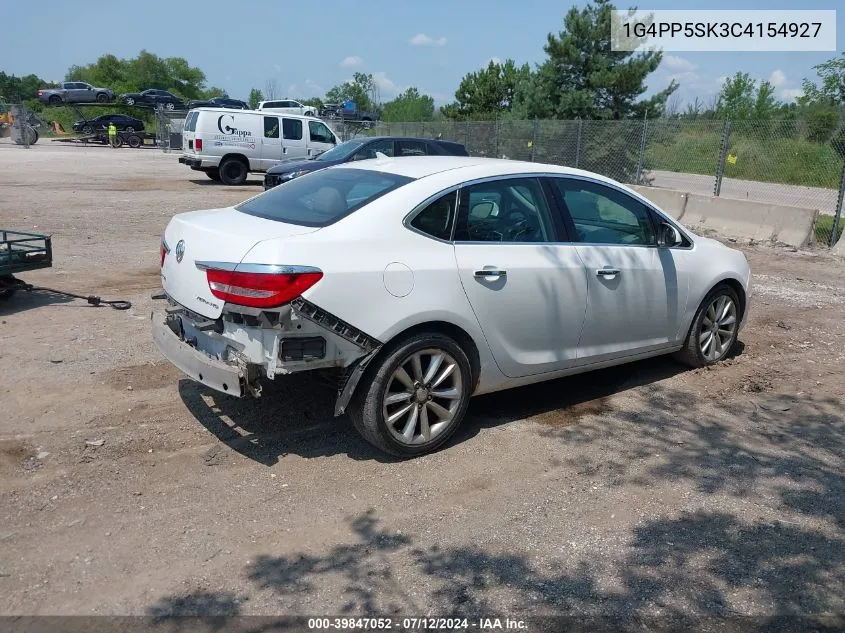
[[645, 490]]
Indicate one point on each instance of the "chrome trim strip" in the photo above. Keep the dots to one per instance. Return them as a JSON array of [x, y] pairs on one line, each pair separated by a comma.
[[266, 269]]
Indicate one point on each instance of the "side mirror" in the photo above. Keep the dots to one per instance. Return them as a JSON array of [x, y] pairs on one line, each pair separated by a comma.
[[668, 236]]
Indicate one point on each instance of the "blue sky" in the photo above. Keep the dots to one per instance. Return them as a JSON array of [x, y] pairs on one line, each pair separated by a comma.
[[307, 47]]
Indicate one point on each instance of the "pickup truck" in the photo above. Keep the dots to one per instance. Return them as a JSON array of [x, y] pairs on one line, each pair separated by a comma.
[[75, 92], [347, 111]]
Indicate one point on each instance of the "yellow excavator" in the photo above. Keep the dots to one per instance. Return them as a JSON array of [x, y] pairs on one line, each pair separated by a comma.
[[7, 124]]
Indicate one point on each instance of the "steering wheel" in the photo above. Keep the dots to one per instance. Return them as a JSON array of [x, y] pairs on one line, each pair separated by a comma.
[[517, 228]]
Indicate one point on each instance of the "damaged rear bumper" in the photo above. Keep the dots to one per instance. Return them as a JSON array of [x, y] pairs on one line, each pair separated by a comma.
[[224, 377]]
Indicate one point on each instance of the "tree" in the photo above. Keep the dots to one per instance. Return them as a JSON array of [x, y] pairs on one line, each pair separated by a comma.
[[271, 90], [832, 88], [489, 92], [145, 71], [583, 77], [741, 98], [736, 98], [361, 89], [409, 106], [255, 97], [18, 89]]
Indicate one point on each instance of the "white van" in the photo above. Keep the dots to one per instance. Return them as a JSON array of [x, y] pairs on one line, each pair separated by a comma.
[[228, 144], [288, 106]]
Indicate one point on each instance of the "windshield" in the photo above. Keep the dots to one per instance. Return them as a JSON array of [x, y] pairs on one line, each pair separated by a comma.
[[343, 150], [323, 197]]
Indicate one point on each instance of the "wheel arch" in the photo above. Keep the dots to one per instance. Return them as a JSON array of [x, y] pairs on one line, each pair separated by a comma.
[[733, 282]]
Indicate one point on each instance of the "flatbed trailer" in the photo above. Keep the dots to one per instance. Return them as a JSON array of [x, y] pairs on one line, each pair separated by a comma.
[[21, 252], [132, 139]]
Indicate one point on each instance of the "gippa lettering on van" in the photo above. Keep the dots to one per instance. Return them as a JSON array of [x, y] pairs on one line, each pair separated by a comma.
[[230, 130]]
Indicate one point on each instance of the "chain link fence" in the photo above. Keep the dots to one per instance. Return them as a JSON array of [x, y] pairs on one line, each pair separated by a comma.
[[776, 162]]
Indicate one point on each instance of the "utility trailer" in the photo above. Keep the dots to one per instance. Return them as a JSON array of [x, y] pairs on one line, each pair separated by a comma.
[[21, 252]]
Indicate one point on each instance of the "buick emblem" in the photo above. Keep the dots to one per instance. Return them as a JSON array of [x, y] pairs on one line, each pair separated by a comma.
[[180, 251]]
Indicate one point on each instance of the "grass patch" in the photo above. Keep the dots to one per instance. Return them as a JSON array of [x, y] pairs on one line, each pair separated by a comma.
[[824, 228]]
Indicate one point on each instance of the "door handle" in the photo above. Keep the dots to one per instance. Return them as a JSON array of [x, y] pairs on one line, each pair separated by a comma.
[[607, 272], [491, 273]]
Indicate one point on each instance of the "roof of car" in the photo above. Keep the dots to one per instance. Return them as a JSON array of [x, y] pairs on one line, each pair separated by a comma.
[[422, 166]]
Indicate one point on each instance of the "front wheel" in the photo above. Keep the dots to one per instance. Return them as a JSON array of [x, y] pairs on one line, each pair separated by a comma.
[[129, 101], [714, 329], [412, 401], [169, 106], [233, 172]]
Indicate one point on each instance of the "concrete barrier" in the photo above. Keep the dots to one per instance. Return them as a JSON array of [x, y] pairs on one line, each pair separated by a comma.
[[671, 201], [839, 247], [751, 220]]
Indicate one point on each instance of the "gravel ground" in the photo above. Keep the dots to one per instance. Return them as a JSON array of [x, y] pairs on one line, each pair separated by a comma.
[[644, 490]]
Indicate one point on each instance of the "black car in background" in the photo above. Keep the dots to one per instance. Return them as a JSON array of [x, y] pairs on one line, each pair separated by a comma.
[[153, 97], [122, 122], [218, 102], [362, 149]]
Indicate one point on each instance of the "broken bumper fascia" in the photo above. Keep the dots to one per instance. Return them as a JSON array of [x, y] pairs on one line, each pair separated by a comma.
[[223, 377]]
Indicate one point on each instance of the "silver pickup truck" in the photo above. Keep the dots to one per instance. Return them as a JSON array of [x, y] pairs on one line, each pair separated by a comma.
[[76, 92]]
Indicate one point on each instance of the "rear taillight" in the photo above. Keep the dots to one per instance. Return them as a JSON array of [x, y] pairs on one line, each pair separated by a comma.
[[164, 251], [259, 290], [198, 144]]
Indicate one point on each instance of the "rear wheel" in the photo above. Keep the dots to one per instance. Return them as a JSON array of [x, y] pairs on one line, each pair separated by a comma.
[[102, 97], [129, 101], [233, 172], [214, 174], [87, 129], [412, 401], [54, 99], [714, 329], [134, 141], [169, 106]]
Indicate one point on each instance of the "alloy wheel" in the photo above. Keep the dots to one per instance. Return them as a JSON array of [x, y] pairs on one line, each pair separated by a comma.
[[422, 396], [718, 328]]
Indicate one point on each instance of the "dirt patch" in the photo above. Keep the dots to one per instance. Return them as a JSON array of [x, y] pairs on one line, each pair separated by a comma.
[[142, 377], [573, 413], [147, 278], [14, 453]]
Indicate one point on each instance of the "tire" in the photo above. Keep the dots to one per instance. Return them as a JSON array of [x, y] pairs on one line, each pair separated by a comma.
[[369, 412], [118, 141], [102, 98], [233, 172], [35, 137], [129, 101], [7, 293], [706, 342], [87, 129], [214, 174], [169, 106], [134, 141], [54, 99]]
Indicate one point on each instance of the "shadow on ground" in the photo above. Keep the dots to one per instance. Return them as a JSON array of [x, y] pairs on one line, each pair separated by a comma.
[[296, 414], [773, 547]]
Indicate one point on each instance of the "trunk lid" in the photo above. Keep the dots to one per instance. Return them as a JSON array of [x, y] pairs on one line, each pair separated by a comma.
[[215, 235]]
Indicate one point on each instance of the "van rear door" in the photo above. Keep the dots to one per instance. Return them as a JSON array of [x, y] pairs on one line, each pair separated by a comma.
[[189, 133], [293, 138]]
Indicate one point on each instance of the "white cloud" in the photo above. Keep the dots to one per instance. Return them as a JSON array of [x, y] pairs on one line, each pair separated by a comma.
[[386, 84], [351, 62], [790, 94], [677, 64], [778, 78], [421, 39], [314, 87]]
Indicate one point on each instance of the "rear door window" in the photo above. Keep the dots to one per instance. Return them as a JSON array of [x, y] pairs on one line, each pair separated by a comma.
[[323, 197], [410, 148], [292, 129]]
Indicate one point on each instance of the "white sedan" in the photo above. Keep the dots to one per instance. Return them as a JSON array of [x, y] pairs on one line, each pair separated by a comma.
[[422, 281]]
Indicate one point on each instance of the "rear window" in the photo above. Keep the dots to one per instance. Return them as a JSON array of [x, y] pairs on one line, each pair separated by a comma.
[[191, 122], [323, 197]]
